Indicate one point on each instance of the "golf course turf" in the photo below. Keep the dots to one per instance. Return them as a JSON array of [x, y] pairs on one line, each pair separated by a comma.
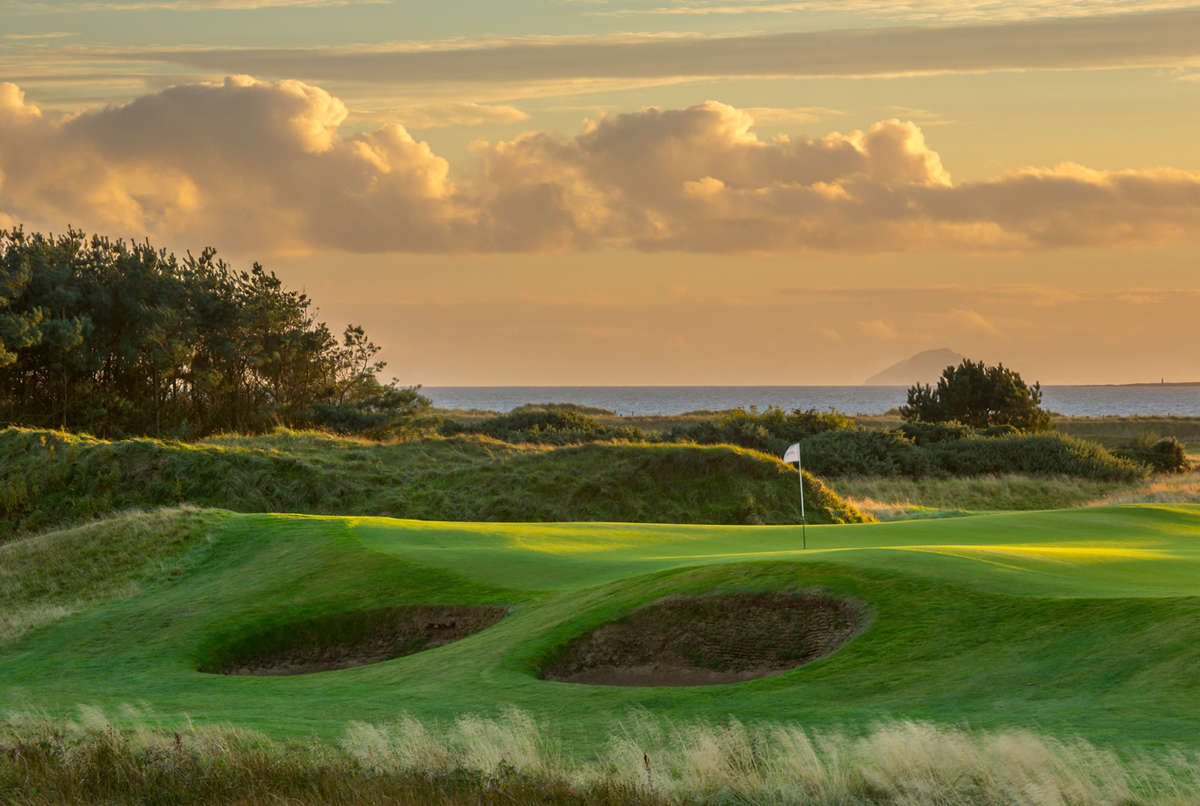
[[1082, 622]]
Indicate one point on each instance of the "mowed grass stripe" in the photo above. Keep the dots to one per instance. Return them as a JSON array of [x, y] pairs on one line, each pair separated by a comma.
[[947, 640], [1140, 550]]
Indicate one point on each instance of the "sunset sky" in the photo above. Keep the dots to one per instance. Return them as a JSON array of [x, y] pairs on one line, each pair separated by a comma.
[[646, 191]]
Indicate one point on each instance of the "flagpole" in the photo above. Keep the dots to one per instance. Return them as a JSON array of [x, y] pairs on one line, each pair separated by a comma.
[[803, 519]]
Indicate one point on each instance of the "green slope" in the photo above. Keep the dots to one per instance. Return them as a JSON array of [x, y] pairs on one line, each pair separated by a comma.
[[50, 479], [1083, 621]]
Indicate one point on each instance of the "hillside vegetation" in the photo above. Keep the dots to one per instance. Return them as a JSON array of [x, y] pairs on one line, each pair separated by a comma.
[[53, 479], [834, 445], [50, 576]]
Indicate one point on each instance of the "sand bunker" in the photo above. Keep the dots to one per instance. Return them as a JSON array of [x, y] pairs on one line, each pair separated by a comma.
[[712, 639], [357, 639]]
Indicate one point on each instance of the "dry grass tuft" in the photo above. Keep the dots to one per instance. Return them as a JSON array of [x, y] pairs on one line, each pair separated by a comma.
[[512, 759]]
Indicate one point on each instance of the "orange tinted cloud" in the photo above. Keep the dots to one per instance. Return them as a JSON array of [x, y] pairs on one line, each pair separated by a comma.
[[245, 163]]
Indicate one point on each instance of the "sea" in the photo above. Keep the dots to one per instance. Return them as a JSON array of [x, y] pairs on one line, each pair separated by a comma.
[[1075, 401]]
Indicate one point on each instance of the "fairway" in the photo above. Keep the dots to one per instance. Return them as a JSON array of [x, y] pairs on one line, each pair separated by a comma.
[[1079, 622]]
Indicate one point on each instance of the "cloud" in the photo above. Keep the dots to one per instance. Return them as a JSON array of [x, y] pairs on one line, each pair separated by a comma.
[[780, 116], [459, 114], [878, 329], [1158, 38], [1144, 298], [248, 164], [971, 322], [43, 7], [37, 37], [243, 163], [942, 10], [922, 116]]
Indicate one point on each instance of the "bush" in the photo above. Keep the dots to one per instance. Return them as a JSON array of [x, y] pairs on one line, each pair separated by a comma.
[[931, 433], [979, 396], [1165, 455], [575, 407], [770, 431], [555, 426], [863, 452], [1035, 454], [891, 453]]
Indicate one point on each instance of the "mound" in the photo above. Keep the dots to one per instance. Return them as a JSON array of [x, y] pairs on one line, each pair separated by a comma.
[[713, 639], [356, 639], [51, 479]]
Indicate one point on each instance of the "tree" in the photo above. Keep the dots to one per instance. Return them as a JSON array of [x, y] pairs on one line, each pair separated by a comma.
[[980, 396], [117, 339]]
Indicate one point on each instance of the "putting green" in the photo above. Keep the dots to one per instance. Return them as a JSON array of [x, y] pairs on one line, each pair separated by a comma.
[[1081, 621]]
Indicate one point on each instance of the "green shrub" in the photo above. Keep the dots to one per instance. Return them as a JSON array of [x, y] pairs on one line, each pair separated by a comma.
[[1162, 455], [553, 426], [1037, 454], [891, 453], [770, 431], [979, 396], [864, 452], [575, 407], [930, 433]]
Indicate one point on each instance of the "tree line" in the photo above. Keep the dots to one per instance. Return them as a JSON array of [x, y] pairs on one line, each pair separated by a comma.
[[119, 339]]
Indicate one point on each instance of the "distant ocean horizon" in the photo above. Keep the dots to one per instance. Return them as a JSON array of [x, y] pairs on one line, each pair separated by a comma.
[[1074, 401]]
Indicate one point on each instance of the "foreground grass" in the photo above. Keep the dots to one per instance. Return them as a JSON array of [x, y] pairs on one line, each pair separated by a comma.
[[52, 479], [1081, 622], [644, 760]]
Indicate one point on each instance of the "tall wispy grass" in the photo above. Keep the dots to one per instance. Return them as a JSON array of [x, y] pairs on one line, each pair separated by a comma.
[[899, 498], [1182, 488], [514, 759], [889, 499]]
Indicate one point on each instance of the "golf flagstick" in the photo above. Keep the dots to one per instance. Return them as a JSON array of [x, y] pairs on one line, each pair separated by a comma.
[[803, 519]]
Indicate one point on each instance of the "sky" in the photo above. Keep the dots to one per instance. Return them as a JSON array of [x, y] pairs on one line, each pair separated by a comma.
[[621, 192]]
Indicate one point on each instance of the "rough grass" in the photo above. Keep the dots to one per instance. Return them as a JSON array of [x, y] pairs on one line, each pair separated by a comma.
[[53, 575], [50, 479], [1183, 488], [1118, 432], [891, 498], [512, 759]]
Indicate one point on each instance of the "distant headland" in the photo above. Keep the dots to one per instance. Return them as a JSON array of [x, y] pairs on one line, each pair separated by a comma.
[[924, 367]]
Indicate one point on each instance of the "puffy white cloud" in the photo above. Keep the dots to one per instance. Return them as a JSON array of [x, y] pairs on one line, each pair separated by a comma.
[[247, 164], [242, 163]]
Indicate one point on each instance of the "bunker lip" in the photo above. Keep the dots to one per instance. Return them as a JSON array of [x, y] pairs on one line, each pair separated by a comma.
[[342, 642], [709, 640]]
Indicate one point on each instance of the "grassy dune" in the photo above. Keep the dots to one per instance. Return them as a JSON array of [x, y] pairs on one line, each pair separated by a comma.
[[1076, 622], [53, 479], [52, 576]]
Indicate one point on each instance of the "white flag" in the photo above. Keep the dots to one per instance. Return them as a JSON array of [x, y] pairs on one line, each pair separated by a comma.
[[792, 454]]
